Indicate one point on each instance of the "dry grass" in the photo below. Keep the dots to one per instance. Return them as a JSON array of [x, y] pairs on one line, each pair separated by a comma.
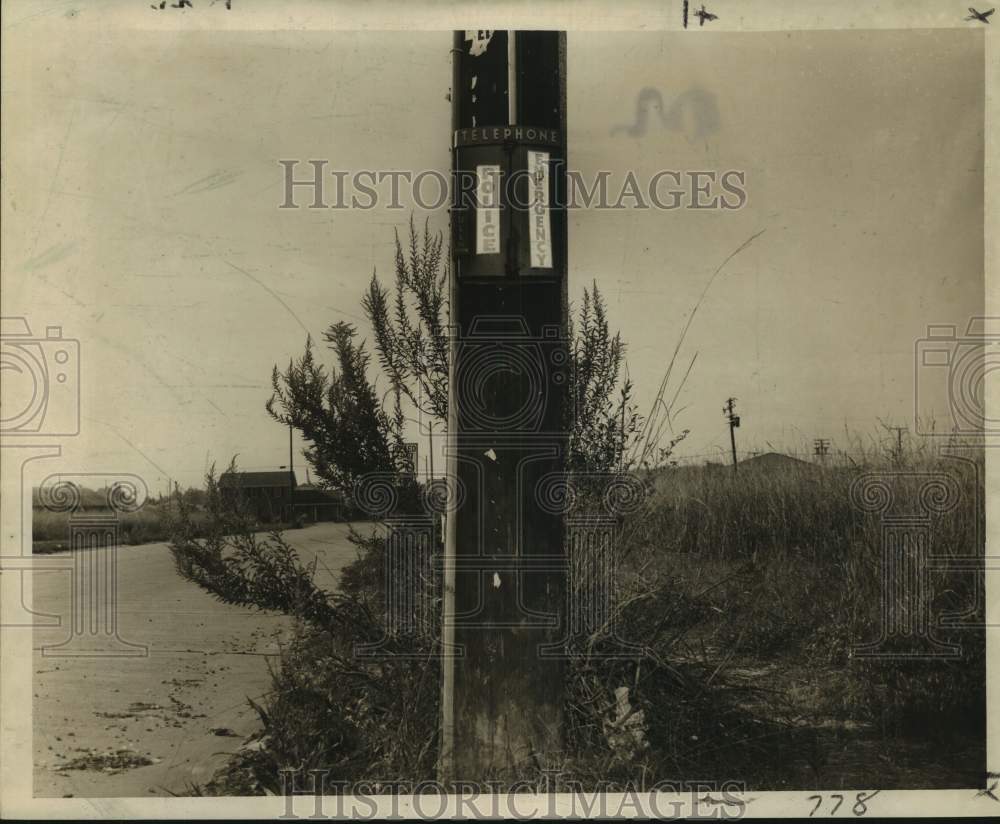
[[776, 576], [51, 530]]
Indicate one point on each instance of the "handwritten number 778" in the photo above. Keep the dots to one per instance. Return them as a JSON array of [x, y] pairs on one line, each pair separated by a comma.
[[859, 808]]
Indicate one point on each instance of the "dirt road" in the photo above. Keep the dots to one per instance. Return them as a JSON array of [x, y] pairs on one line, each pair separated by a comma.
[[155, 724]]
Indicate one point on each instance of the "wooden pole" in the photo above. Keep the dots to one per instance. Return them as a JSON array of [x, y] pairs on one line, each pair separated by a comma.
[[734, 421], [430, 437], [504, 567], [732, 441]]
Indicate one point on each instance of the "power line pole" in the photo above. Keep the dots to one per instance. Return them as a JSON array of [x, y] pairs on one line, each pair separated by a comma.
[[897, 453], [504, 565], [621, 458], [430, 436], [729, 410], [899, 442], [821, 447]]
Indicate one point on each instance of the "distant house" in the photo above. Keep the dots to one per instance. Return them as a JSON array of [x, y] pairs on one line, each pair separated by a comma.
[[317, 504], [269, 494]]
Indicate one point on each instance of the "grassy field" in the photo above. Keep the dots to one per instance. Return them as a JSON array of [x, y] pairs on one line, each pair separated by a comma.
[[774, 576], [50, 531]]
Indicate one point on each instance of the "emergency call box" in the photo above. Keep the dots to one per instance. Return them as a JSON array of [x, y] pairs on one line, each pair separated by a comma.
[[508, 203]]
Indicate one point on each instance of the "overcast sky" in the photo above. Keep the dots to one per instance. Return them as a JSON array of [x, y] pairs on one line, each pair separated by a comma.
[[141, 186]]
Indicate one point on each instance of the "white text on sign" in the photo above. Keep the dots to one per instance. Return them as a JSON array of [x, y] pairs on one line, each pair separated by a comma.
[[487, 210], [539, 229]]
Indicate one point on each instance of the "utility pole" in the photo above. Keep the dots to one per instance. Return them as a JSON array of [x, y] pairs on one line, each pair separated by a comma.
[[734, 420], [621, 459], [504, 571], [291, 453], [821, 447], [430, 436], [899, 442], [897, 454]]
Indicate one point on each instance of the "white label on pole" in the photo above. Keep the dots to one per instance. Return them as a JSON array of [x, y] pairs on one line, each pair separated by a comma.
[[487, 210], [480, 40], [539, 234]]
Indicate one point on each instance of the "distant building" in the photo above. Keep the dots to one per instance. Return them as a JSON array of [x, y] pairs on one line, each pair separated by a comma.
[[317, 504], [269, 494]]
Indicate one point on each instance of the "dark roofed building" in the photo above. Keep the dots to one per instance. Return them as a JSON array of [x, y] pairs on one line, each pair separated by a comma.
[[317, 504], [270, 494], [258, 480]]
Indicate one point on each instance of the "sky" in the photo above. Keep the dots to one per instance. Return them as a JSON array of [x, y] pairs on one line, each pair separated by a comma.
[[142, 184]]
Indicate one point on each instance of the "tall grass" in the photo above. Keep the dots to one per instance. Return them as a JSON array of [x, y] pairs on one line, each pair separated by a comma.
[[785, 566], [152, 523]]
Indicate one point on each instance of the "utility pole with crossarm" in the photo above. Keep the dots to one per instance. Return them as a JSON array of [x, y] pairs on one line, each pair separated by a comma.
[[729, 410]]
